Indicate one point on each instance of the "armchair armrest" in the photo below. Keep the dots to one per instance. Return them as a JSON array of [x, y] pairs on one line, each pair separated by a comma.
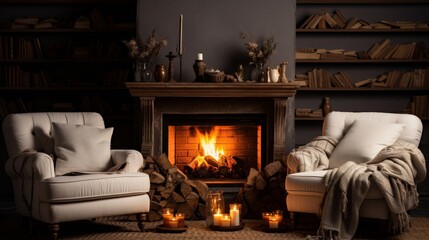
[[313, 156], [127, 159], [27, 163]]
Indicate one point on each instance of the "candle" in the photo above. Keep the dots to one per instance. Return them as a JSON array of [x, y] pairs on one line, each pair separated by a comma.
[[266, 218], [217, 218], [273, 222], [181, 219], [181, 35], [173, 223], [200, 56], [167, 215], [226, 221], [278, 214], [234, 213]]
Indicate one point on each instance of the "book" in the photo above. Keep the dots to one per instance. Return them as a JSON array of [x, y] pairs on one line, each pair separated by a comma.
[[305, 55]]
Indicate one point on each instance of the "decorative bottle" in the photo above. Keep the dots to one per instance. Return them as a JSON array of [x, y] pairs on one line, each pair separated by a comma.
[[199, 68], [282, 71]]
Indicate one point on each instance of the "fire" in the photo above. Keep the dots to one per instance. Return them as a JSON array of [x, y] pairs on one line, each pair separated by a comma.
[[208, 144]]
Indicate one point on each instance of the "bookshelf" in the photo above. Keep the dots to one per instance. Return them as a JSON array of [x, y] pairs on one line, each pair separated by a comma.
[[365, 98], [68, 55]]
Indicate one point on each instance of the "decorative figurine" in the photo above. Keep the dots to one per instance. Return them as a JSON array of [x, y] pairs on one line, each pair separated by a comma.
[[170, 57]]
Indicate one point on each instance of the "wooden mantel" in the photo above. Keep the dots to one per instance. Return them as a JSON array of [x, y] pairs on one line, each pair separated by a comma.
[[275, 100], [182, 89]]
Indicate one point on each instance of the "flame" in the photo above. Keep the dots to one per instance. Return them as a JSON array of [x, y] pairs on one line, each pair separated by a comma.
[[208, 144]]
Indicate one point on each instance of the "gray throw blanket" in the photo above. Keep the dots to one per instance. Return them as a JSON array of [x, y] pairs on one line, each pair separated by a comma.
[[395, 170]]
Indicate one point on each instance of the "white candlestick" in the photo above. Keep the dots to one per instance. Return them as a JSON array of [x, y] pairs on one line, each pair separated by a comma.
[[181, 35], [200, 56]]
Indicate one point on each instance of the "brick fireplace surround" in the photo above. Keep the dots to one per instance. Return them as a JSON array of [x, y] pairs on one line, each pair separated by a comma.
[[274, 101]]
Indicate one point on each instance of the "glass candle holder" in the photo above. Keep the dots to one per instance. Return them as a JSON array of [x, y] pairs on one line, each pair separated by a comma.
[[235, 214], [215, 208], [266, 218], [167, 215], [181, 220]]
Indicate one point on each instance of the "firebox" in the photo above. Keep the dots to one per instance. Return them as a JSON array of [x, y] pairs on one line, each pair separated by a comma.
[[215, 146]]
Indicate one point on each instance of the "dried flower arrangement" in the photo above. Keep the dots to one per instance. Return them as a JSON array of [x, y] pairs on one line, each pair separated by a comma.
[[145, 51], [259, 54]]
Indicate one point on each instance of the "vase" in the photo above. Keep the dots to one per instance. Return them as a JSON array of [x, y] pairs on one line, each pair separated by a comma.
[[282, 72], [160, 73], [146, 73], [258, 73]]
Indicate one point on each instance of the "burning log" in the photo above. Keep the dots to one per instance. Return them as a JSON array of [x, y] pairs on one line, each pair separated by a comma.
[[209, 167]]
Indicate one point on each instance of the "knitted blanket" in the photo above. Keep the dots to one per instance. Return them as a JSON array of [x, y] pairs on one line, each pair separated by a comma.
[[395, 170]]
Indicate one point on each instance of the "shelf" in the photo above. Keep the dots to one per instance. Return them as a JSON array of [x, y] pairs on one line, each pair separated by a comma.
[[390, 30], [363, 89], [39, 2], [67, 30], [362, 61], [361, 1], [309, 118], [50, 61], [63, 89]]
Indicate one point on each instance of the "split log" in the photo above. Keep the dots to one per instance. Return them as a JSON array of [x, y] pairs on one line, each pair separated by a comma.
[[272, 168], [153, 216], [193, 199], [156, 177], [185, 189], [223, 170], [176, 197], [175, 177], [251, 178], [163, 162], [201, 188], [186, 209], [151, 193], [148, 171], [156, 198], [149, 159], [155, 206], [167, 192], [250, 195]]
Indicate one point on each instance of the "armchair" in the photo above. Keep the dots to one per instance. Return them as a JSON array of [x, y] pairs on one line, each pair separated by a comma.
[[42, 194], [311, 167]]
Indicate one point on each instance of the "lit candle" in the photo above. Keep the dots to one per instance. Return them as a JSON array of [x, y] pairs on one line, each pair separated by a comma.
[[217, 218], [181, 219], [181, 35], [273, 222], [234, 212], [226, 221], [173, 222], [200, 56], [278, 214], [167, 215], [266, 218]]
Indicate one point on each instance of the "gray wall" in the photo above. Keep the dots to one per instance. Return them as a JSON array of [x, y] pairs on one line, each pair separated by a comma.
[[213, 27]]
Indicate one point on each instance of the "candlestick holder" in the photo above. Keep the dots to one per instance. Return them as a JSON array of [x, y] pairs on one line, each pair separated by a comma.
[[170, 57]]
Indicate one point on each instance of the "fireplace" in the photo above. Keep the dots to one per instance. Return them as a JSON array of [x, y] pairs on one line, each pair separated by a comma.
[[264, 110], [215, 146]]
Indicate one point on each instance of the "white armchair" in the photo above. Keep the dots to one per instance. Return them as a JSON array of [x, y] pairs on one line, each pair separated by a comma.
[[34, 162], [312, 167]]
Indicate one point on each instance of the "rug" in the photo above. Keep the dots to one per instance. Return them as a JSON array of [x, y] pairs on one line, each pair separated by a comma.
[[126, 228]]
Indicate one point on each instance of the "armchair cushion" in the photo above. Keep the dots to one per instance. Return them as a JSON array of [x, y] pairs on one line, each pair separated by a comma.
[[65, 189], [363, 141], [81, 148]]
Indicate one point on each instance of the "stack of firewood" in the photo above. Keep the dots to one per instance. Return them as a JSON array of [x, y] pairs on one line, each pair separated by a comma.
[[169, 187], [264, 191]]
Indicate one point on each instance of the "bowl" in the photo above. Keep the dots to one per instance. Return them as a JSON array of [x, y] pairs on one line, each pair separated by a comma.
[[214, 76]]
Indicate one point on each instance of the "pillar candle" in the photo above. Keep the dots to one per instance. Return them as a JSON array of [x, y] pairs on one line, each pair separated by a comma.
[[181, 219], [226, 221], [167, 214], [234, 213], [173, 222], [273, 222], [266, 218], [217, 218]]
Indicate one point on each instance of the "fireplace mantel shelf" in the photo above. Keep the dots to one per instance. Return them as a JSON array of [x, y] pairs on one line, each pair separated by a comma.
[[192, 89]]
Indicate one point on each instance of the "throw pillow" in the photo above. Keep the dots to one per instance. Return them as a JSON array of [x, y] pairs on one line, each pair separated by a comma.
[[81, 148], [363, 141]]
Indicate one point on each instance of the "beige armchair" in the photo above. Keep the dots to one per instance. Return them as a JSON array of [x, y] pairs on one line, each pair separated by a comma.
[[360, 148], [62, 169]]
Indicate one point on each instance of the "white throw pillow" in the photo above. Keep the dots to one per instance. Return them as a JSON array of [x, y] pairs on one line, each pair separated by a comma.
[[363, 141], [81, 148]]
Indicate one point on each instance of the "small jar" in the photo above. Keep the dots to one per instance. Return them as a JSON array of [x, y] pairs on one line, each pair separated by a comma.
[[160, 73]]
